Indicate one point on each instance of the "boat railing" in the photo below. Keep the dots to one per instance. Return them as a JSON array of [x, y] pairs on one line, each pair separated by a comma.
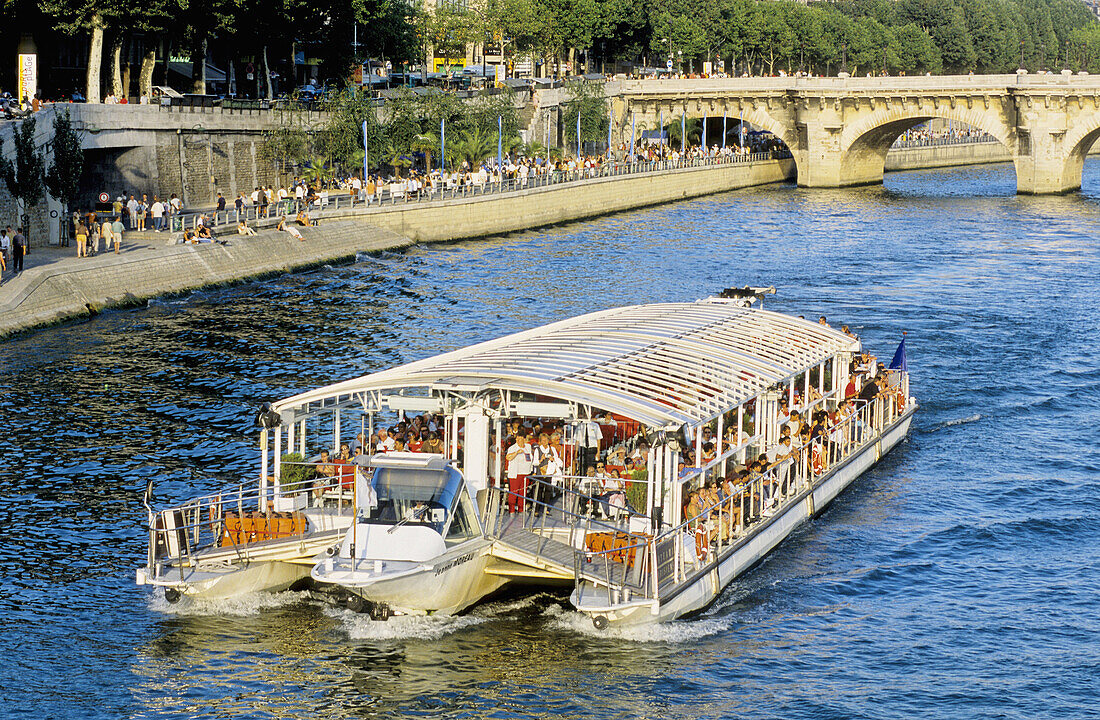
[[559, 508], [653, 567], [238, 519]]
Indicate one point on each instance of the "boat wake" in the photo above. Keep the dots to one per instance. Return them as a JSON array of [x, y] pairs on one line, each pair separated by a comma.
[[238, 606], [402, 627], [960, 421], [676, 632]]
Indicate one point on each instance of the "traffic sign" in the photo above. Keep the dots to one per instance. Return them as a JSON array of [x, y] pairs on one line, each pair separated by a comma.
[[104, 198], [668, 63]]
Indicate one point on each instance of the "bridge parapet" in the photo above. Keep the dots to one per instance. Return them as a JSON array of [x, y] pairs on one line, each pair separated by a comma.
[[840, 129]]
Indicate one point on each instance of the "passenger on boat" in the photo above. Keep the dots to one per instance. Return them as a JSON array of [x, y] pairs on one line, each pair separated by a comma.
[[384, 439], [519, 458], [433, 444], [398, 445], [822, 321], [415, 444], [795, 424]]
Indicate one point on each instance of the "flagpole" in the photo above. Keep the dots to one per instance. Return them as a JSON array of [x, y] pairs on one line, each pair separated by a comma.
[[683, 133], [703, 140], [723, 131], [579, 153], [366, 156], [610, 122], [633, 138], [500, 139], [443, 144]]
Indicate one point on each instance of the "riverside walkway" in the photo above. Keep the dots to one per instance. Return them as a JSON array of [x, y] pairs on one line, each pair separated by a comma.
[[56, 286]]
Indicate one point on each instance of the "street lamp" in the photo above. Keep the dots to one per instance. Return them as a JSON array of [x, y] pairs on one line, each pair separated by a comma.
[[844, 58], [801, 56], [1021, 54], [680, 61]]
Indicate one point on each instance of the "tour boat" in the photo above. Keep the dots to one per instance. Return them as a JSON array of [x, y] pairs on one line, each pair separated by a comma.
[[667, 383]]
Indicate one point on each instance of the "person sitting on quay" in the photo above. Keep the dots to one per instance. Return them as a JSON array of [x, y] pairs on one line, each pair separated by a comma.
[[304, 219], [289, 229], [243, 229]]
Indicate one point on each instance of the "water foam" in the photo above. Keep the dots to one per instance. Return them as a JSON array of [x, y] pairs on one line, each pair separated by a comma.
[[676, 632], [401, 627], [958, 421], [238, 606]]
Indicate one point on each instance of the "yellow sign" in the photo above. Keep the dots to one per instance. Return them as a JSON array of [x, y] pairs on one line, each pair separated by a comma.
[[28, 77]]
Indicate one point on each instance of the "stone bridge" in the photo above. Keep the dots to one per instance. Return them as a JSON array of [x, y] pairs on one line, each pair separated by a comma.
[[840, 129]]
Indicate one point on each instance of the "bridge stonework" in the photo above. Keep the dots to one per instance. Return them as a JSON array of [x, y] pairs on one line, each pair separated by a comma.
[[840, 129]]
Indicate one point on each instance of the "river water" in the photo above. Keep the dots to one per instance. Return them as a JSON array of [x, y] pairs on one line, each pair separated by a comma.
[[957, 579]]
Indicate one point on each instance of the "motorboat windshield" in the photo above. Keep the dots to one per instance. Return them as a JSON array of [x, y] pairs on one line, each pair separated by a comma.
[[417, 492]]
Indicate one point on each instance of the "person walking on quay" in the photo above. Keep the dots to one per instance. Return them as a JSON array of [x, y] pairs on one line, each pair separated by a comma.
[[116, 232], [221, 202], [3, 264], [18, 250], [157, 210], [143, 210], [5, 246], [132, 207], [81, 233], [107, 233], [93, 233]]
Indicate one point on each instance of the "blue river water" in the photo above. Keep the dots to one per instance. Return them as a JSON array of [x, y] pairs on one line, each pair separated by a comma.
[[957, 579]]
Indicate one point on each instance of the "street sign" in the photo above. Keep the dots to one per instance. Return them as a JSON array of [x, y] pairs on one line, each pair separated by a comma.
[[668, 63], [104, 198]]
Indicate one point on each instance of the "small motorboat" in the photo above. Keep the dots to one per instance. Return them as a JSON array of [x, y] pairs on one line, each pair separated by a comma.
[[417, 545]]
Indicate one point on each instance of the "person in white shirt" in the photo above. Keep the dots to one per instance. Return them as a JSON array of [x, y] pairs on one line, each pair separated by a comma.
[[384, 439], [588, 438], [157, 211], [547, 463], [132, 207], [520, 461]]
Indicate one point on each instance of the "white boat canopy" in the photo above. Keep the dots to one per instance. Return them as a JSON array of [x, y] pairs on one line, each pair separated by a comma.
[[664, 365]]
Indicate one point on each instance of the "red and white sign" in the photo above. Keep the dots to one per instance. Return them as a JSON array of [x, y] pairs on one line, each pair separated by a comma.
[[104, 198]]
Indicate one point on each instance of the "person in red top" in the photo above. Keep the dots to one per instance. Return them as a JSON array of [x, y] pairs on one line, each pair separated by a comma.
[[415, 444]]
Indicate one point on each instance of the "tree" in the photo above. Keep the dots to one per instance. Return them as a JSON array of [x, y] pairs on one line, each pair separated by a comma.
[[586, 99], [63, 178], [24, 177]]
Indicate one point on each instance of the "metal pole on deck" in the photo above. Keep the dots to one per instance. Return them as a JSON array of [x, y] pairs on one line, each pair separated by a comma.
[[723, 131]]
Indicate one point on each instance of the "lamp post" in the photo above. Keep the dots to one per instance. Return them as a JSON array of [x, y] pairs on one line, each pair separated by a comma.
[[844, 58], [1021, 54], [801, 57]]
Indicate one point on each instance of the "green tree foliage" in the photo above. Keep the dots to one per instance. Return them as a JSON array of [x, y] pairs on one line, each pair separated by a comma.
[[24, 177], [588, 100], [63, 177]]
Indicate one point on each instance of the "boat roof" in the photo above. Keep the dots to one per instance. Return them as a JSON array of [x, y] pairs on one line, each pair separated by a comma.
[[666, 364]]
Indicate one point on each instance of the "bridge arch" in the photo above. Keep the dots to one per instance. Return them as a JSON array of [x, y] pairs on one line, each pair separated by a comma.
[[865, 144], [1076, 145]]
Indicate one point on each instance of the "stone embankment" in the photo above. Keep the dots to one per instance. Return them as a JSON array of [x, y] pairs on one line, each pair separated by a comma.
[[67, 288]]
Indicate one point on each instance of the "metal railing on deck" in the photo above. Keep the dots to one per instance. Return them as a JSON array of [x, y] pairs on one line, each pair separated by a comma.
[[240, 518]]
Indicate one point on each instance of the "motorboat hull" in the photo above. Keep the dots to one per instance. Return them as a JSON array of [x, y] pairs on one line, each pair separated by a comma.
[[444, 585]]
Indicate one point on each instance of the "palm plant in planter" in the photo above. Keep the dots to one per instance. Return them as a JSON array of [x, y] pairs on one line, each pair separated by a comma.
[[296, 474]]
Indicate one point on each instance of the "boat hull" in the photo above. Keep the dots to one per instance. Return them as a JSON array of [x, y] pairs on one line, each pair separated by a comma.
[[229, 581], [708, 585], [444, 585]]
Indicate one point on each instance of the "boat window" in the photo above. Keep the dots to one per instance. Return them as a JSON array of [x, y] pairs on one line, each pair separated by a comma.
[[464, 525], [415, 496]]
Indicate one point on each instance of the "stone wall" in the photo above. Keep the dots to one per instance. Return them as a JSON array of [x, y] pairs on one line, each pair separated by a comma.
[[493, 214], [48, 294]]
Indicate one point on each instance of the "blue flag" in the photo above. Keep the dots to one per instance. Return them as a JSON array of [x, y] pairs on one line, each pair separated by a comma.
[[898, 363]]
